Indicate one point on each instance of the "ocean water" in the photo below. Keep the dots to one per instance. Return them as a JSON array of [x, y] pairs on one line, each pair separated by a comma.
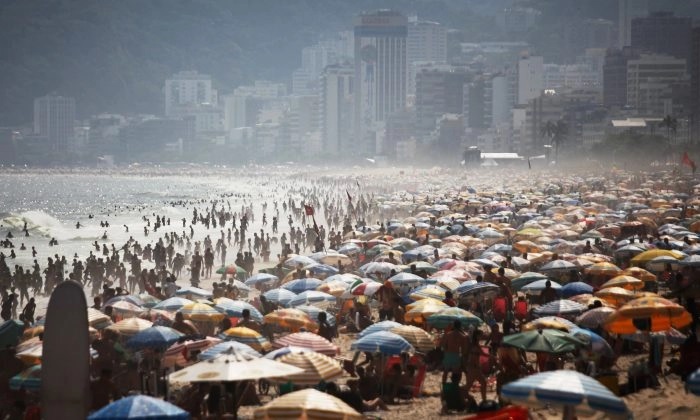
[[52, 203]]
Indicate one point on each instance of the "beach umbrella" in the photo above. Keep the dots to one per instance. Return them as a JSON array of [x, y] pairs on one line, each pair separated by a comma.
[[232, 366], [671, 336], [125, 298], [420, 310], [382, 268], [646, 256], [97, 319], [527, 246], [539, 285], [558, 267], [226, 347], [693, 383], [446, 317], [313, 311], [173, 304], [647, 314], [421, 340], [201, 312], [316, 367], [595, 317], [335, 287], [408, 280], [295, 261], [596, 343], [307, 404], [290, 318], [428, 291], [193, 291], [691, 261], [312, 297], [234, 308], [382, 342], [302, 285], [335, 259], [575, 288], [615, 296], [261, 278], [658, 264], [483, 288], [246, 336], [565, 388], [158, 317], [148, 300], [276, 354], [130, 326], [155, 338], [179, 354], [562, 307], [232, 270], [544, 341], [307, 340], [639, 273], [379, 326], [10, 333], [526, 278], [280, 296], [603, 269], [553, 322], [625, 282], [139, 407], [365, 288], [29, 379], [125, 308], [323, 270]]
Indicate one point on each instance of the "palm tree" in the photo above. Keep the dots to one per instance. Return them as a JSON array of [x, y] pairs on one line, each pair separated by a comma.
[[671, 125], [557, 133]]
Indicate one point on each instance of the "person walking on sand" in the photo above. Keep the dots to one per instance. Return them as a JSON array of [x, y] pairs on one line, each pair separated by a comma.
[[452, 344]]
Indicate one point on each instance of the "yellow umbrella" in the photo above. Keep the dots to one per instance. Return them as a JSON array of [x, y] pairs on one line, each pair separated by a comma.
[[603, 269], [130, 326], [527, 246], [650, 313], [646, 256], [316, 367], [420, 339], [420, 313], [588, 299], [201, 312], [247, 336], [625, 282], [430, 291], [639, 273], [616, 296], [308, 404], [293, 319], [335, 287], [508, 273]]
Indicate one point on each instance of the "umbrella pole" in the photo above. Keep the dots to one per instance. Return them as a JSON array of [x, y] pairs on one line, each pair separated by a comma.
[[569, 413]]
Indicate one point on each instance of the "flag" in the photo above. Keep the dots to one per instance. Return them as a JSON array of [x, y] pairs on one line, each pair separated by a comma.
[[687, 161], [309, 210]]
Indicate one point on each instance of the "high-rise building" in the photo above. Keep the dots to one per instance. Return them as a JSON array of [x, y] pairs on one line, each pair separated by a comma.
[[626, 11], [380, 72], [615, 76], [54, 119], [439, 91], [187, 90], [663, 33], [337, 110], [485, 102], [530, 78], [654, 85], [426, 42], [695, 86]]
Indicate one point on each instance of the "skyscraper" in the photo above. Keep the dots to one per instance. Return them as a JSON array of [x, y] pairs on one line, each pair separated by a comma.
[[426, 42], [380, 72], [187, 90], [337, 111], [663, 33], [530, 78], [695, 86], [54, 118], [626, 11]]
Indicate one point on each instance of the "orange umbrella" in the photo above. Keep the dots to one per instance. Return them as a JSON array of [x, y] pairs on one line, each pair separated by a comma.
[[639, 273], [648, 313], [293, 319], [604, 269], [626, 282], [616, 296]]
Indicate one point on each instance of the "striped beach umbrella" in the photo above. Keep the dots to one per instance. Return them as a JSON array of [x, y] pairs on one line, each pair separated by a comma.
[[247, 336], [446, 317], [201, 312], [625, 282], [569, 389], [595, 317], [148, 300], [29, 379], [302, 285], [173, 304], [280, 296], [544, 341], [291, 318], [316, 368], [261, 278], [180, 353], [130, 326], [125, 308], [125, 298], [307, 340], [235, 308], [379, 326], [420, 339], [562, 307], [194, 292], [140, 407], [154, 338], [312, 297], [97, 319], [307, 404], [227, 346], [382, 342]]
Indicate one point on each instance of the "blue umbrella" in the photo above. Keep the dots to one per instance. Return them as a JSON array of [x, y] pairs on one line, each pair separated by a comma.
[[382, 342], [261, 278], [597, 343], [693, 382], [302, 285], [173, 304], [575, 288], [126, 298], [140, 407], [313, 312], [565, 388], [194, 291], [409, 279], [216, 350], [476, 288], [379, 326], [540, 285], [281, 296], [235, 308], [311, 296], [156, 338], [322, 269]]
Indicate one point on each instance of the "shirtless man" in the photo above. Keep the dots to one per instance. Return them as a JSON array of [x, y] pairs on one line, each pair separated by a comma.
[[473, 364], [452, 344]]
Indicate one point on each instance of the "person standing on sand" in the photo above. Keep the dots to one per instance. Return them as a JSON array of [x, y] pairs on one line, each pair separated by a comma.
[[452, 344]]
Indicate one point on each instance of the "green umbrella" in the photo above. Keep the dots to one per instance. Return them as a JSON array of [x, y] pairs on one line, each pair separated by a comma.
[[231, 269], [446, 317], [546, 341]]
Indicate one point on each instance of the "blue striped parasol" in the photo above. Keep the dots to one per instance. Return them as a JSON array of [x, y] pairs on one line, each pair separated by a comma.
[[382, 342], [139, 407]]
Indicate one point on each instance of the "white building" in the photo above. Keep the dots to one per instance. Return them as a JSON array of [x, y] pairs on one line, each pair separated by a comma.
[[54, 118], [337, 109], [530, 78], [426, 42], [571, 76], [651, 80], [187, 90]]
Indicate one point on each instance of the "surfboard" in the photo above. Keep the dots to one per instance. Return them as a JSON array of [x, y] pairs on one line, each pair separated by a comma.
[[65, 371]]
